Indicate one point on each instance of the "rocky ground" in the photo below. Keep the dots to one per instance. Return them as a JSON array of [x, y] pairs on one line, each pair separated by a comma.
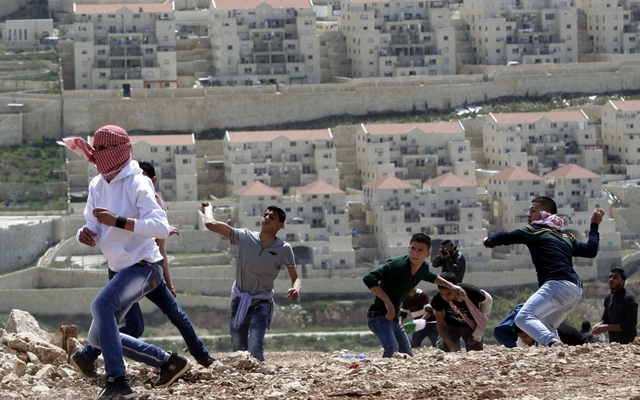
[[33, 365]]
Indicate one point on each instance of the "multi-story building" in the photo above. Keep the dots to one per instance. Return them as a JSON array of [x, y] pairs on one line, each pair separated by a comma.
[[541, 141], [173, 157], [260, 42], [317, 225], [398, 38], [631, 35], [621, 132], [577, 192], [282, 159], [392, 214], [27, 32], [510, 193], [453, 212], [608, 26], [523, 32], [125, 46], [413, 151]]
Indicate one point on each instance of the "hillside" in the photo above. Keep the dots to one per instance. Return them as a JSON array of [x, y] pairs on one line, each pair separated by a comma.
[[596, 371]]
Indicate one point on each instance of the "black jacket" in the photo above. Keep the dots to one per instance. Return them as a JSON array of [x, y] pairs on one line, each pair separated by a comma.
[[455, 264]]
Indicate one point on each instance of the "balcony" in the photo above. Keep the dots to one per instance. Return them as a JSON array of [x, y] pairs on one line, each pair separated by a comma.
[[126, 73], [126, 51]]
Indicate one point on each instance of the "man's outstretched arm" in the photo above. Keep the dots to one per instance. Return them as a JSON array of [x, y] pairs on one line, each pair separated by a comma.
[[211, 223]]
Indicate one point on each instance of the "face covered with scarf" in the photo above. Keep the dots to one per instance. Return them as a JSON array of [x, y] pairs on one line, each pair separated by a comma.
[[111, 150]]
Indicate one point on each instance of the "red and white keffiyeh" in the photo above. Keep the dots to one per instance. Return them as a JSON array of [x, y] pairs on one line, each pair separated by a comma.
[[551, 220], [108, 161]]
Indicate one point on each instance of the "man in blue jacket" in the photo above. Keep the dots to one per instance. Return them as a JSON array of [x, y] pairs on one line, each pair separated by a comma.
[[552, 251]]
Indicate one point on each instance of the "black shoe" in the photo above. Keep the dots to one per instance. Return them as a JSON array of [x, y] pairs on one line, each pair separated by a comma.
[[116, 386], [171, 370], [86, 367]]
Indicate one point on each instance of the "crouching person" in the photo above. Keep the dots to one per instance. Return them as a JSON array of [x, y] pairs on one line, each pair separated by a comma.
[[458, 317]]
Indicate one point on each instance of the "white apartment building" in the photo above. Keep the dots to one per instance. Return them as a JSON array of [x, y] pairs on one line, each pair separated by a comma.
[[258, 42], [174, 159], [317, 225], [250, 201], [608, 26], [27, 32], [620, 125], [283, 159], [398, 38], [125, 46], [521, 31], [453, 212], [510, 193], [577, 192], [541, 141], [413, 151], [392, 214]]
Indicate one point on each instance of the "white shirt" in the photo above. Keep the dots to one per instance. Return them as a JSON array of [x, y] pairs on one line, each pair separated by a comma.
[[130, 194]]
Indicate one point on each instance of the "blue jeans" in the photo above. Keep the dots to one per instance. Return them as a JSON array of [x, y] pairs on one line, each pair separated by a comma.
[[455, 334], [430, 331], [546, 309], [391, 336], [169, 306], [110, 306], [133, 326], [250, 334], [504, 332]]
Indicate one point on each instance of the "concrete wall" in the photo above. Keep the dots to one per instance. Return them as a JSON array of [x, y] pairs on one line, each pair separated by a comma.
[[22, 244], [206, 288], [198, 109], [195, 110]]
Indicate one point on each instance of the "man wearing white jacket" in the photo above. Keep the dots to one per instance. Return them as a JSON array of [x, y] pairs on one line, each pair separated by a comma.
[[124, 219]]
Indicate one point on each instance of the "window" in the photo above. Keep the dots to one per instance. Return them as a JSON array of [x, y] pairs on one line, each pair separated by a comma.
[[186, 161]]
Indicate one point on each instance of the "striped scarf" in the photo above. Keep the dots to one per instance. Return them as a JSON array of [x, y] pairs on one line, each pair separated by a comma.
[[108, 161]]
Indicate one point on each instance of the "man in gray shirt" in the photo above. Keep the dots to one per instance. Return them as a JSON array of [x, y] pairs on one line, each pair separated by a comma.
[[260, 257]]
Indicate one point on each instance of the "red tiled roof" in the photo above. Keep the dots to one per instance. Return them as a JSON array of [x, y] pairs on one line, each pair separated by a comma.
[[252, 4], [112, 8], [319, 187], [389, 182], [427, 127], [267, 136], [515, 174], [257, 188], [527, 118], [572, 171], [628, 105], [164, 140], [448, 180]]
